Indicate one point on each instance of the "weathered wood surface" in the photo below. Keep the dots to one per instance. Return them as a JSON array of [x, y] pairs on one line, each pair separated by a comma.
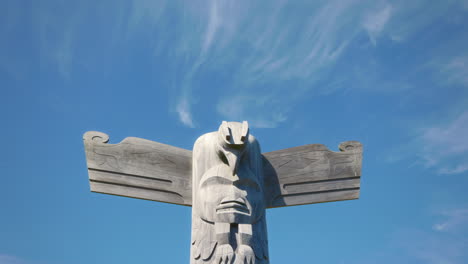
[[312, 174], [145, 169], [228, 212], [233, 183], [139, 168]]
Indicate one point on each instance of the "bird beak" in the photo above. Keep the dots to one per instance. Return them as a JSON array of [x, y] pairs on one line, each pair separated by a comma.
[[233, 160]]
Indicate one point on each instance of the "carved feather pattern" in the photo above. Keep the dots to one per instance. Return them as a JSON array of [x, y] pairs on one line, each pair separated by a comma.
[[204, 247], [203, 242]]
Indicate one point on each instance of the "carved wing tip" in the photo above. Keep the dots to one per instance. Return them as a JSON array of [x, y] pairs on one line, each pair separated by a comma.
[[96, 137], [350, 146]]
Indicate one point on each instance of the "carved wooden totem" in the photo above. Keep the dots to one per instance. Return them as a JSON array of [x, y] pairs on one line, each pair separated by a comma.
[[228, 215], [228, 183]]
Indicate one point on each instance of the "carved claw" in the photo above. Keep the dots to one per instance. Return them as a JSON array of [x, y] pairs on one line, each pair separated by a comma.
[[245, 255], [224, 254]]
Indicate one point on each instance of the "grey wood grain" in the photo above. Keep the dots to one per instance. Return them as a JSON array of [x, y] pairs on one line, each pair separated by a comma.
[[139, 168], [145, 169], [233, 183], [312, 174]]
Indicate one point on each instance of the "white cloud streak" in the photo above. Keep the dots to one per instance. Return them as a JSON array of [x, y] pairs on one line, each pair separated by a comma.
[[456, 71], [415, 245], [265, 49], [212, 26], [461, 168], [449, 139], [375, 22], [258, 48], [435, 250], [277, 48], [447, 142], [144, 14], [244, 108], [183, 110], [456, 219], [56, 36]]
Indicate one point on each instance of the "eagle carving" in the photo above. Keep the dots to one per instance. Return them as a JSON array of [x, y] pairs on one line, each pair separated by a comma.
[[227, 181]]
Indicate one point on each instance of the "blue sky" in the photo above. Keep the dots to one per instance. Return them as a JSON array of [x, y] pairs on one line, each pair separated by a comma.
[[391, 74]]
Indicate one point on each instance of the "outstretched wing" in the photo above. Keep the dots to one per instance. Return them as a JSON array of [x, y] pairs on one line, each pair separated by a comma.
[[139, 168], [312, 174]]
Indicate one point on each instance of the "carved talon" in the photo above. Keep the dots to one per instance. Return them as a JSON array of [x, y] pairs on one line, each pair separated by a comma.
[[224, 254], [245, 255]]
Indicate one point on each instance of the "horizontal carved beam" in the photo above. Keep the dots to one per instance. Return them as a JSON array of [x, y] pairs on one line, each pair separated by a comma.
[[312, 174], [139, 168]]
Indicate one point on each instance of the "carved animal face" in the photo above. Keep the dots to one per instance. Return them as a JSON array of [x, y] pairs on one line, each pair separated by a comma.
[[227, 198], [232, 143], [229, 191]]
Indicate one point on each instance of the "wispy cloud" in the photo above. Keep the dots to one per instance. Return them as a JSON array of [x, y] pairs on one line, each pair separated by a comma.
[[57, 34], [246, 108], [447, 242], [144, 15], [214, 22], [457, 169], [433, 248], [265, 51], [411, 18], [454, 220], [252, 48], [183, 110], [416, 245], [447, 141], [451, 138], [441, 145], [455, 71], [375, 21]]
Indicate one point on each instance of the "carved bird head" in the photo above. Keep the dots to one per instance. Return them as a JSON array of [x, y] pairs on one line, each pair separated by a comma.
[[232, 141], [230, 188]]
